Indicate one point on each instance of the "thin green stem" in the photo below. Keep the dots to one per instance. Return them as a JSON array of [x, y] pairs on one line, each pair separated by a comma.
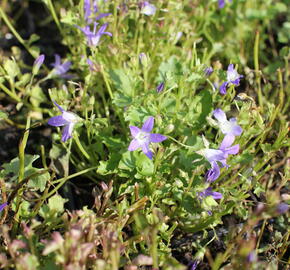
[[53, 13], [184, 145], [10, 93], [81, 148], [62, 181], [257, 70], [15, 33], [22, 146]]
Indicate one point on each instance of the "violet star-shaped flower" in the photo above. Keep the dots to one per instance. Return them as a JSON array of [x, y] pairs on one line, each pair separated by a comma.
[[208, 71], [59, 68], [93, 37], [282, 208], [147, 8], [233, 77], [90, 9], [143, 137], [221, 3], [66, 119], [227, 127], [219, 155], [208, 192]]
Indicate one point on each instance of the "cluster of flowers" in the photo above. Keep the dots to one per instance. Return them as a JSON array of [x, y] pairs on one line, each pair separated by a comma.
[[142, 137], [218, 157]]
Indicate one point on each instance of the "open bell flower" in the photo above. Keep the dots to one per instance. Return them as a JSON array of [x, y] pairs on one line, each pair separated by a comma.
[[93, 37], [227, 127], [90, 10], [143, 137], [221, 3], [147, 8], [208, 192], [66, 119], [233, 78], [59, 68], [219, 156]]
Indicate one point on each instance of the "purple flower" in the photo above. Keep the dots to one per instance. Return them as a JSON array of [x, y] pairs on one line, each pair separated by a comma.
[[192, 265], [143, 137], [219, 155], [37, 63], [208, 192], [213, 155], [208, 71], [221, 3], [160, 87], [147, 8], [93, 37], [92, 65], [89, 9], [59, 68], [282, 208], [228, 127], [3, 205], [66, 119], [251, 257], [233, 77]]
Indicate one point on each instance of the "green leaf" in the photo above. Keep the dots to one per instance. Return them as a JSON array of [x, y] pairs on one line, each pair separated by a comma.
[[122, 81], [11, 68], [37, 182], [3, 115], [121, 100], [56, 204], [200, 108], [145, 165], [37, 96], [109, 166]]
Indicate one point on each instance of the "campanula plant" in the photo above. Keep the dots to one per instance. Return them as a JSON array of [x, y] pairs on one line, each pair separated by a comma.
[[66, 119], [143, 137], [130, 181], [233, 78]]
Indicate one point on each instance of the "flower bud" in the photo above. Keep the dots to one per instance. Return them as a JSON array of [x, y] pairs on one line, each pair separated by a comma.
[[37, 63], [144, 60]]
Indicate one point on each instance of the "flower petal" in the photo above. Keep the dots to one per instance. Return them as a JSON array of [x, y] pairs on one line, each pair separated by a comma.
[[223, 88], [221, 3], [213, 155], [160, 87], [233, 150], [216, 195], [236, 130], [220, 115], [146, 150], [209, 192], [56, 61], [59, 107], [57, 121], [156, 138], [134, 131], [213, 173], [102, 15], [67, 132], [148, 125], [3, 205], [231, 67], [134, 145], [227, 142]]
